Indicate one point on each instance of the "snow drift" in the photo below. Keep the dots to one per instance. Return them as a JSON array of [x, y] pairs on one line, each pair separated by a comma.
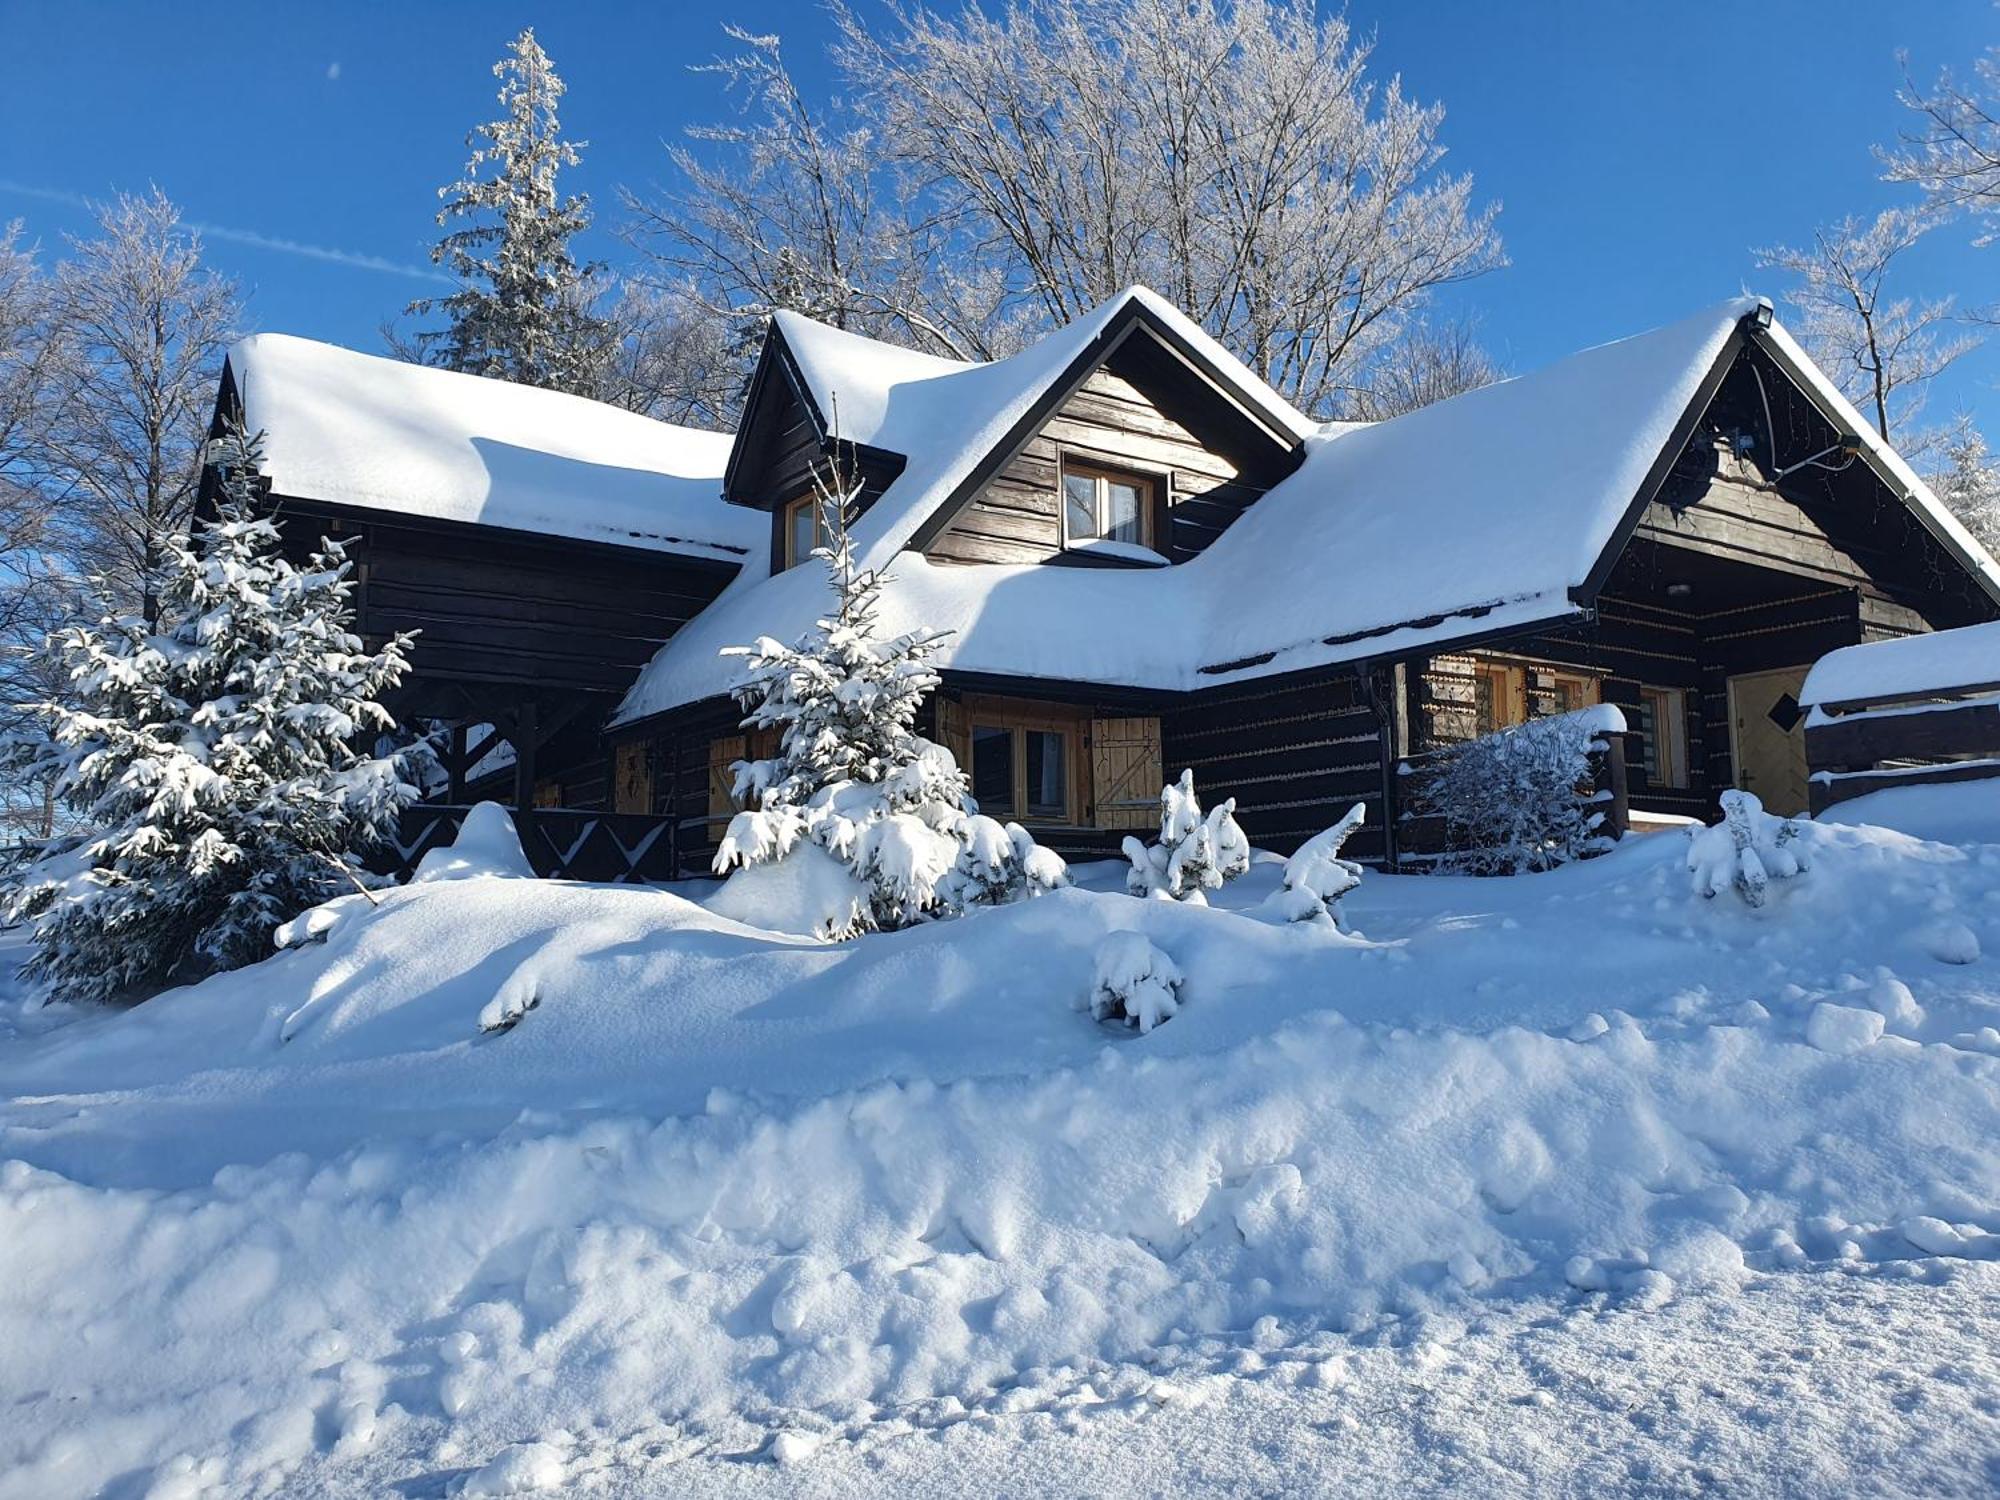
[[718, 1175]]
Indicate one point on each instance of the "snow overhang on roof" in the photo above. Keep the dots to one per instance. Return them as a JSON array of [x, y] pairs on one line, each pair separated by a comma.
[[359, 431], [1481, 515]]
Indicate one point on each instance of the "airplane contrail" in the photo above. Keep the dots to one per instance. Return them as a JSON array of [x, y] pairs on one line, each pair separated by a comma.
[[353, 259]]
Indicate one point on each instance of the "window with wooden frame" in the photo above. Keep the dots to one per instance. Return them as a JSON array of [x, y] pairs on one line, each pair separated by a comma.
[[1506, 693], [805, 528], [1107, 505], [1662, 726], [1024, 760]]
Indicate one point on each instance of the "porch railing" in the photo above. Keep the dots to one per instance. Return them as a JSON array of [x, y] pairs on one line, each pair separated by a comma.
[[1910, 737], [561, 843]]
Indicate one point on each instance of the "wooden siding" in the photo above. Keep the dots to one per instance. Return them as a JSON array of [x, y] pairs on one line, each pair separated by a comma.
[[1112, 421], [493, 608], [1296, 754]]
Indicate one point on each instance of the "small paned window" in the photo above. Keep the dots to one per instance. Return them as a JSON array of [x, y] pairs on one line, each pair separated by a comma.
[[1106, 505]]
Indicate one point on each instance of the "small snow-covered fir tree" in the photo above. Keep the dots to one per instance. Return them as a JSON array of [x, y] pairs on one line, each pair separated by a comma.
[[852, 774], [1134, 982], [1195, 854], [1745, 852], [1316, 877], [523, 308], [215, 754]]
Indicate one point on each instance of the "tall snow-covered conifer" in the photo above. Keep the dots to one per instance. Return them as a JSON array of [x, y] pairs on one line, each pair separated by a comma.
[[523, 308], [215, 753], [853, 776]]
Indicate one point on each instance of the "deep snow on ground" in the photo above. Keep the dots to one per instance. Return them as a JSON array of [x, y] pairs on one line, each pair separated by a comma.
[[1541, 1181]]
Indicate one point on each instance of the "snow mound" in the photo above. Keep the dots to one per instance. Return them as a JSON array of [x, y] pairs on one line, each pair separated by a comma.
[[487, 846], [808, 892]]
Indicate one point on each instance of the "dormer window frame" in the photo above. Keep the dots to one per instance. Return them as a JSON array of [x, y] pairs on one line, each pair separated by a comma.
[[1107, 475], [807, 504]]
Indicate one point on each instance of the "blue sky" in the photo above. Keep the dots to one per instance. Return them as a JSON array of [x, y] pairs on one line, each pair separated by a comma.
[[1639, 149]]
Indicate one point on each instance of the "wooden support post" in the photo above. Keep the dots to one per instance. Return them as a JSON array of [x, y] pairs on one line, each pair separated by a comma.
[[526, 737], [455, 765], [1611, 778]]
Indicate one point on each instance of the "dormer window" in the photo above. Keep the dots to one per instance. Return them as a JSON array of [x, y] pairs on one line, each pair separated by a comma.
[[1106, 505], [805, 529]]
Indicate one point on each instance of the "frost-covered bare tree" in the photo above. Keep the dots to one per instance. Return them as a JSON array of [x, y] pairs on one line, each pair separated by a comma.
[[1430, 361], [1953, 151], [523, 308], [794, 205], [672, 358], [29, 366], [1882, 350], [988, 176], [140, 328], [1969, 484]]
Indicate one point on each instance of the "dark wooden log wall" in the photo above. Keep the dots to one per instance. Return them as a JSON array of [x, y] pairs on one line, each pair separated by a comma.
[[1110, 420], [494, 608], [1295, 753]]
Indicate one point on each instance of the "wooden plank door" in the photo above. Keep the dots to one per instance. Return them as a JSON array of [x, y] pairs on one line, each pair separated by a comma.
[[1767, 738]]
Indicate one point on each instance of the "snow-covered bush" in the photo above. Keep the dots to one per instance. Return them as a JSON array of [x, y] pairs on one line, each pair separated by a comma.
[[1316, 877], [213, 753], [1745, 852], [1134, 982], [854, 778], [1000, 862], [1194, 854], [1521, 799]]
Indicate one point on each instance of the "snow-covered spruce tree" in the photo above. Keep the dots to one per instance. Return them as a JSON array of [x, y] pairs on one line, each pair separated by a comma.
[[523, 308], [215, 755], [1745, 852], [1195, 853], [853, 776]]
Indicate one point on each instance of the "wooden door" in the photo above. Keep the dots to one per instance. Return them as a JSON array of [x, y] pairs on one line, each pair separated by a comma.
[[1125, 772], [1767, 737]]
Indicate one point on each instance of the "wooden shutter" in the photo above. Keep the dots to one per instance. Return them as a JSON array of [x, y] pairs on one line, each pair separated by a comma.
[[954, 731], [632, 777], [1125, 772], [722, 755]]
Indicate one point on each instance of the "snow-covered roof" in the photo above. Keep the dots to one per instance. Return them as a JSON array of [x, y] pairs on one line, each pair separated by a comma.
[[1945, 662], [1478, 514], [378, 434]]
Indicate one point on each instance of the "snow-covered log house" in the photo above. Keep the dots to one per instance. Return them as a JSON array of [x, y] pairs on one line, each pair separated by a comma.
[[1147, 561]]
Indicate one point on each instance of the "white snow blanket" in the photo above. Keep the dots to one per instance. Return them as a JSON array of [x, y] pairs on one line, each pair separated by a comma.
[[364, 1220], [380, 434]]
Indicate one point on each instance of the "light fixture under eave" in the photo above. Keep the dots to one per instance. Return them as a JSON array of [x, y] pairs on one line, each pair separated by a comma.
[[1680, 591]]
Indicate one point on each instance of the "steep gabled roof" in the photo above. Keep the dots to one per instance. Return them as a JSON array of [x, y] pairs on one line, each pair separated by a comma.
[[957, 424], [1485, 513], [376, 434], [1889, 465]]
